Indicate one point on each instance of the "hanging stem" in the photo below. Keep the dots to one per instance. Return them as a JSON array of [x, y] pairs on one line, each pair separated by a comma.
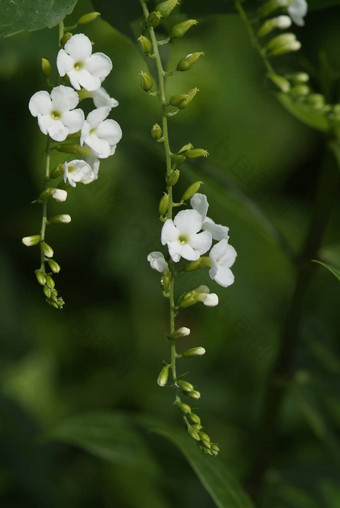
[[45, 203]]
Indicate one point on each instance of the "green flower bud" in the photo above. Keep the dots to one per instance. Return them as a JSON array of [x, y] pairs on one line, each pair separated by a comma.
[[204, 437], [196, 153], [49, 282], [40, 277], [281, 22], [299, 77], [55, 267], [145, 44], [283, 43], [281, 82], [65, 38], [47, 292], [46, 67], [185, 408], [179, 333], [180, 29], [154, 18], [197, 426], [316, 99], [300, 90], [146, 81], [60, 219], [194, 394], [156, 131], [187, 300], [47, 250], [195, 351], [29, 241], [163, 376], [185, 148], [200, 263], [194, 434], [173, 178], [191, 191], [269, 7], [165, 280], [88, 18], [215, 448], [188, 61], [164, 204], [165, 8], [181, 101], [194, 418], [84, 151], [185, 386], [58, 171]]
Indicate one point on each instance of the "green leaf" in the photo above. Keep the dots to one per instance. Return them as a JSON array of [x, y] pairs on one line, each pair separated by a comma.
[[305, 112], [20, 15], [333, 270]]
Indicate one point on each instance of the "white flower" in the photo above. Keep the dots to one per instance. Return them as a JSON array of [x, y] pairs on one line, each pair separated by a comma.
[[78, 171], [83, 69], [59, 195], [55, 117], [102, 98], [200, 203], [222, 256], [210, 300], [157, 261], [99, 134], [297, 10], [183, 238]]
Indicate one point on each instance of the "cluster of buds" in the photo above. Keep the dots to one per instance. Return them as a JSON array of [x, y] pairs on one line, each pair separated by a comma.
[[67, 129], [187, 236]]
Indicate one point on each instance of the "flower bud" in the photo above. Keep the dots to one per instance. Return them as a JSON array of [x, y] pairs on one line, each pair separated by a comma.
[[187, 300], [188, 61], [204, 437], [185, 408], [173, 178], [47, 250], [165, 8], [193, 433], [65, 38], [281, 82], [269, 7], [60, 219], [40, 277], [215, 449], [154, 18], [156, 131], [191, 190], [49, 282], [316, 99], [300, 90], [180, 29], [210, 300], [166, 279], [164, 204], [195, 153], [46, 67], [58, 171], [200, 263], [59, 195], [283, 43], [281, 22], [84, 151], [55, 267], [299, 77], [163, 376], [29, 241], [185, 148], [194, 418], [146, 81], [88, 18], [195, 351], [197, 426], [181, 101], [181, 332], [47, 292], [194, 394], [185, 386], [145, 44]]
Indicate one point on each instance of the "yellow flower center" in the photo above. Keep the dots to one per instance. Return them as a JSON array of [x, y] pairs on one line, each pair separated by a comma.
[[56, 115], [183, 239], [78, 66]]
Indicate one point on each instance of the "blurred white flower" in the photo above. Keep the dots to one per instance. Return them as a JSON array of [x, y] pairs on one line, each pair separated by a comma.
[[83, 68], [54, 114], [78, 171], [182, 236], [157, 261], [99, 134], [222, 256], [297, 10], [59, 195], [200, 203]]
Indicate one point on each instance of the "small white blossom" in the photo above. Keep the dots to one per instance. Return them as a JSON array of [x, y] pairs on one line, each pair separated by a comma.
[[83, 68], [200, 203], [297, 10], [102, 98], [182, 236], [210, 300], [222, 256], [59, 195], [157, 261], [99, 134], [55, 117], [78, 171]]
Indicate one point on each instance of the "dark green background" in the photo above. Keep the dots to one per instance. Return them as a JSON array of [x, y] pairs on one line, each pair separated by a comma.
[[105, 349]]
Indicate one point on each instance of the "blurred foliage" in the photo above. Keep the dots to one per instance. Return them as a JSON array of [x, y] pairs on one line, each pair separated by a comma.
[[104, 351]]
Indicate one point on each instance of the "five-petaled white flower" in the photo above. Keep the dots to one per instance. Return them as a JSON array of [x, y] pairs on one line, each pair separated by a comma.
[[157, 261], [99, 134], [222, 256], [200, 203], [297, 10], [83, 68], [55, 117], [78, 171], [182, 236]]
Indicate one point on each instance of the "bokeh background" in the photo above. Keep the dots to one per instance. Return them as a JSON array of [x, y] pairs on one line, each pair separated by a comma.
[[105, 349]]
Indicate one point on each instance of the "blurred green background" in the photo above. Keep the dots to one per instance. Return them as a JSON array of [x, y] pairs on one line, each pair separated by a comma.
[[105, 349]]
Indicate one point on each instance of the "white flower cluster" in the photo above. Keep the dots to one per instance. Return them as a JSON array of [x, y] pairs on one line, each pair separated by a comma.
[[58, 118], [190, 235], [297, 10]]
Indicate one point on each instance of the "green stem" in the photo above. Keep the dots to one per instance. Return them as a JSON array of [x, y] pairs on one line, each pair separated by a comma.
[[61, 30], [161, 84], [45, 202]]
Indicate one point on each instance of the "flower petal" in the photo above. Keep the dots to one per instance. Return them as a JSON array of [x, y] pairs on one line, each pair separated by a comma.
[[64, 62], [40, 103], [64, 98], [199, 202], [88, 81], [99, 146], [169, 232], [102, 98], [175, 251], [224, 277], [74, 79], [187, 252], [110, 131], [217, 231], [97, 116], [58, 131], [99, 65], [79, 47], [45, 121], [157, 261], [201, 241], [188, 222], [73, 120]]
